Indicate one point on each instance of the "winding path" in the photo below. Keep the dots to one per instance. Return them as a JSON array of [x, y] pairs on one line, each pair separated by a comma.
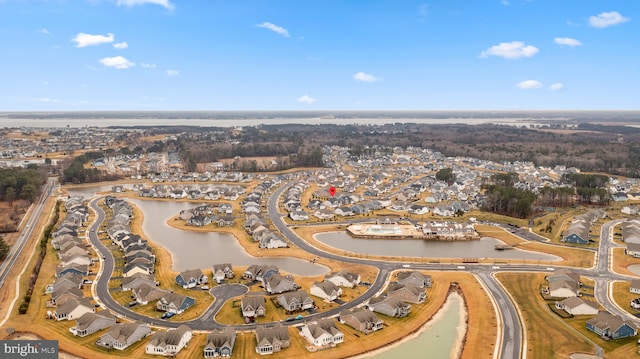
[[510, 343]]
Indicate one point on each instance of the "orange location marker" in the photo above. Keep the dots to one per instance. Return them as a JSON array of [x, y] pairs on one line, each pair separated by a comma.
[[332, 191]]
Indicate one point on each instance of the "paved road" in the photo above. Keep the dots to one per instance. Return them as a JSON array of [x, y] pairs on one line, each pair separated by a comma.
[[28, 229], [510, 343]]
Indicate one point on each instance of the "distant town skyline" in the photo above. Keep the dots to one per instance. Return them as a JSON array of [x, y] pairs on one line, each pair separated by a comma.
[[331, 55]]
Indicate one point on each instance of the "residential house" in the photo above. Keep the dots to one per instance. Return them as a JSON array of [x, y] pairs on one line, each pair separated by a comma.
[[175, 303], [391, 306], [191, 278], [633, 249], [145, 294], [578, 306], [408, 292], [272, 340], [326, 290], [90, 323], [138, 265], [222, 271], [73, 309], [295, 301], [322, 333], [344, 279], [299, 216], [634, 287], [169, 343], [82, 270], [611, 326], [219, 343], [275, 283], [122, 335], [420, 280], [362, 320], [253, 307], [258, 272], [136, 280]]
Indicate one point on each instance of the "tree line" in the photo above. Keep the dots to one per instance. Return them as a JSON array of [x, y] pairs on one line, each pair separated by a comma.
[[75, 171], [20, 183]]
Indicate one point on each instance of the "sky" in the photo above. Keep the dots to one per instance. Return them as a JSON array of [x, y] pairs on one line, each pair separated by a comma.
[[60, 55]]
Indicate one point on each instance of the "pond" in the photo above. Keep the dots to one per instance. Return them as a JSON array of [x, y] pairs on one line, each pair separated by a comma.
[[482, 248]]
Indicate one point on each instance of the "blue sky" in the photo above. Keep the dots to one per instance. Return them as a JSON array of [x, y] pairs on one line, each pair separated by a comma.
[[319, 55]]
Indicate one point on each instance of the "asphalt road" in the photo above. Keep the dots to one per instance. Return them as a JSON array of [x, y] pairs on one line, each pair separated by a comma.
[[28, 229], [510, 343]]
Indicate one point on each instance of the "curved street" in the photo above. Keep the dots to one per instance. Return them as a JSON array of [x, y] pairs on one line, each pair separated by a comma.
[[509, 343]]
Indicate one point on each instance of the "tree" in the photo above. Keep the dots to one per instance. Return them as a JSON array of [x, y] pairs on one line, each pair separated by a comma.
[[446, 175], [4, 249]]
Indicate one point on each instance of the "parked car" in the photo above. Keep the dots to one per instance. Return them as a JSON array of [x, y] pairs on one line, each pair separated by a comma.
[[167, 315]]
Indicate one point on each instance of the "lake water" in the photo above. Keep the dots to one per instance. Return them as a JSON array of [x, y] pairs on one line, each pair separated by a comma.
[[440, 339], [634, 268], [483, 248], [191, 250]]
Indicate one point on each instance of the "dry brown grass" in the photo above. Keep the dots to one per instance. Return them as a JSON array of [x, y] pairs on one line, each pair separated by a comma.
[[622, 296], [547, 335], [621, 261]]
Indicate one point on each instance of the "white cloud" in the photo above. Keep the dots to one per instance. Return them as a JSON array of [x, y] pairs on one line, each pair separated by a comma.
[[147, 66], [117, 62], [120, 45], [606, 19], [164, 3], [47, 99], [84, 40], [307, 99], [567, 41], [556, 87], [275, 28], [510, 50], [44, 31], [172, 72], [529, 84], [364, 77]]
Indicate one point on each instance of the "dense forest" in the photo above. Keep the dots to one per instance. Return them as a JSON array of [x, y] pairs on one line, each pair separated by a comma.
[[20, 183], [592, 148]]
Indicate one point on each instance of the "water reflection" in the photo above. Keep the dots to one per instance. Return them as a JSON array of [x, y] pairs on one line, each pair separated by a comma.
[[442, 336], [190, 250], [483, 248]]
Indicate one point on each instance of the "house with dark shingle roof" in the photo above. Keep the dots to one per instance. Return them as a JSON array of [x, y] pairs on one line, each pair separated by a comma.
[[272, 340], [219, 343], [611, 326]]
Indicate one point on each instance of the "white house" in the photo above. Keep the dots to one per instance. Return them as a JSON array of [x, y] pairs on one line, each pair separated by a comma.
[[635, 286], [169, 343], [322, 333], [326, 290], [633, 249], [578, 306]]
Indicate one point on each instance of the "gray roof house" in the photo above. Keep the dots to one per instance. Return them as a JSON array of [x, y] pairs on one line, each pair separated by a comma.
[[175, 303], [253, 306], [122, 335], [272, 340], [73, 309], [295, 301], [169, 343], [90, 323], [362, 320], [391, 306], [344, 279], [219, 343], [415, 277], [326, 290]]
